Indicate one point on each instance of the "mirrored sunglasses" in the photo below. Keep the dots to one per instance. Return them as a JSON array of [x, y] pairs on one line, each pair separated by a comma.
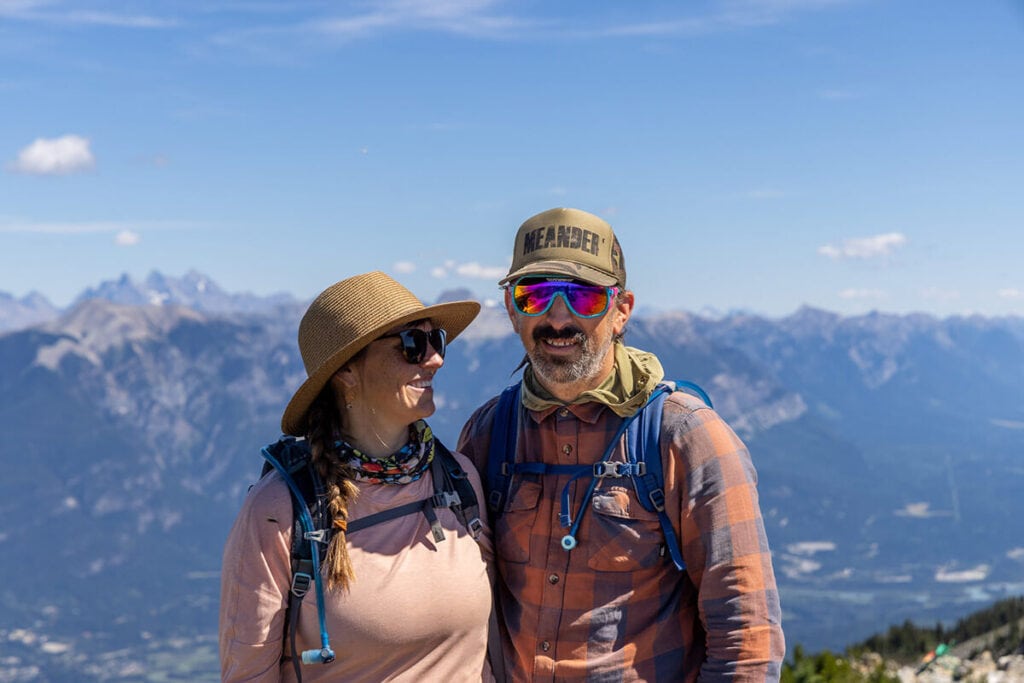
[[415, 343], [534, 297]]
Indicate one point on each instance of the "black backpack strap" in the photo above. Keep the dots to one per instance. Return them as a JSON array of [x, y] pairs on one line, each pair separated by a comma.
[[467, 507], [294, 456], [502, 453], [311, 529], [424, 505], [291, 620]]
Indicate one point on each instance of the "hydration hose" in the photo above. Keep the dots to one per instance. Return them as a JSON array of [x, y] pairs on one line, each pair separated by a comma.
[[325, 655], [601, 469]]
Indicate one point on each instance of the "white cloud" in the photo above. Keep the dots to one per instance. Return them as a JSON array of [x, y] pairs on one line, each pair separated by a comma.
[[1007, 424], [444, 270], [920, 511], [127, 238], [109, 19], [404, 266], [477, 271], [852, 293], [465, 17], [795, 568], [471, 270], [979, 573], [894, 578], [811, 547], [728, 15], [51, 12], [55, 156], [1010, 293], [502, 20], [12, 8], [864, 247]]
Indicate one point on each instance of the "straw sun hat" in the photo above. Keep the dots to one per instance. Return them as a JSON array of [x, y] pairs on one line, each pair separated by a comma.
[[346, 317]]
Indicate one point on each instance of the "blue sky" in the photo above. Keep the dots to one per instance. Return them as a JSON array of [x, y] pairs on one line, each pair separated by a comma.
[[761, 155]]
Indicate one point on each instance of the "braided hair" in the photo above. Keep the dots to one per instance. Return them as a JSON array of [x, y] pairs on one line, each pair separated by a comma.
[[322, 425]]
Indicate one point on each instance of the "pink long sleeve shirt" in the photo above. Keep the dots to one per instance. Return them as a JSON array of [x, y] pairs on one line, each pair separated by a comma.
[[418, 610]]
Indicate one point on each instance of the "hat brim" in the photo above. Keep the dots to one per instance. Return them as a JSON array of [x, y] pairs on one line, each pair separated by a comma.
[[576, 271], [454, 317]]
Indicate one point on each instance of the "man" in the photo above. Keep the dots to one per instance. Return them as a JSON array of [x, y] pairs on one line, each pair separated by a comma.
[[608, 604]]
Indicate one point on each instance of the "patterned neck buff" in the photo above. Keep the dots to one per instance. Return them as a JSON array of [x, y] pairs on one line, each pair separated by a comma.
[[403, 467]]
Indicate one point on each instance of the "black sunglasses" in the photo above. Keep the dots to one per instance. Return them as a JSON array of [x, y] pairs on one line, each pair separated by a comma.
[[415, 341]]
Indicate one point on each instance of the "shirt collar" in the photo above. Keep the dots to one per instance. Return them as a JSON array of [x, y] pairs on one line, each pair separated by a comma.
[[589, 412]]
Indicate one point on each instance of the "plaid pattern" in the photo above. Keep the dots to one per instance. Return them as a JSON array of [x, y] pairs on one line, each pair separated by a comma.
[[615, 608]]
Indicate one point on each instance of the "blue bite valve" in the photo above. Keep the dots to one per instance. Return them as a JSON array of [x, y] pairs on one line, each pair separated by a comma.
[[568, 542], [321, 656]]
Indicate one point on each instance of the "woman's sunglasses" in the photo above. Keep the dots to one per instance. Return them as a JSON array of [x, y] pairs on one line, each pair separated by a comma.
[[416, 343], [534, 297]]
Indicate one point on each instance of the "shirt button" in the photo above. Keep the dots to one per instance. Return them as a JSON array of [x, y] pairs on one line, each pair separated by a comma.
[[553, 579], [567, 449], [564, 412], [545, 646]]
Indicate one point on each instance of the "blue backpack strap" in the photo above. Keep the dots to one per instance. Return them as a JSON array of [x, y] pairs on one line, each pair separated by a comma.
[[693, 387], [643, 436], [502, 453], [643, 440]]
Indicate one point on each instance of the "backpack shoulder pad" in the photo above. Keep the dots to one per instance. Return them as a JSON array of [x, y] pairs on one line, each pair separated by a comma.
[[293, 454]]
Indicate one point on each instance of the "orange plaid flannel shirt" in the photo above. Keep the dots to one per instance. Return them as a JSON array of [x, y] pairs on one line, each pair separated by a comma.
[[615, 608]]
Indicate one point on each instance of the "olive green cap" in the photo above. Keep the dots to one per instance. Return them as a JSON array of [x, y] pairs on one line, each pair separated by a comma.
[[570, 243]]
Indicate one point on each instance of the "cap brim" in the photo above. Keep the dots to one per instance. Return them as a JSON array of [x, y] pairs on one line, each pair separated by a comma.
[[453, 316], [566, 268]]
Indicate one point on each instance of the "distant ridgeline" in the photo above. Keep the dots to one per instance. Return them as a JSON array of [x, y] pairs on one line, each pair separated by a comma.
[[986, 645], [888, 452], [996, 628]]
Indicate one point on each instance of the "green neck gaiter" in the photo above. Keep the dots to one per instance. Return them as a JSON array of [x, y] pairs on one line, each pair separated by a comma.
[[624, 390]]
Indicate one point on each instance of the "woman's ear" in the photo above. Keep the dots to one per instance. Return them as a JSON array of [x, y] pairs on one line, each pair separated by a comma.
[[343, 379]]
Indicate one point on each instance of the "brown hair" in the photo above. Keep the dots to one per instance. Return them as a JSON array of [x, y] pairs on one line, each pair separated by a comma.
[[620, 297], [323, 423]]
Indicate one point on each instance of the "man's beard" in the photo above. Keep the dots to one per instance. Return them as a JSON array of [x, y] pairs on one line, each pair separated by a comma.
[[557, 370]]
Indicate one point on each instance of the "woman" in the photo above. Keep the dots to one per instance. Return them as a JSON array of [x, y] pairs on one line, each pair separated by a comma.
[[399, 603]]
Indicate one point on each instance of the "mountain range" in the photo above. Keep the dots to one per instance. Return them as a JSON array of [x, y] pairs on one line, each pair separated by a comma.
[[890, 454], [192, 290]]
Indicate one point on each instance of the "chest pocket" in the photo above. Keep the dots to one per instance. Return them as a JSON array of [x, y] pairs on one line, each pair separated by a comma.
[[513, 526], [624, 537]]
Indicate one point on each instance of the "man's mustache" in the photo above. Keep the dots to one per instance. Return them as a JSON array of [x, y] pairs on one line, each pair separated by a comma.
[[549, 332]]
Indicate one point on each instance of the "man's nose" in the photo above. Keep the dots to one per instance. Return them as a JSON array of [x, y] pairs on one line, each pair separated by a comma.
[[559, 311]]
